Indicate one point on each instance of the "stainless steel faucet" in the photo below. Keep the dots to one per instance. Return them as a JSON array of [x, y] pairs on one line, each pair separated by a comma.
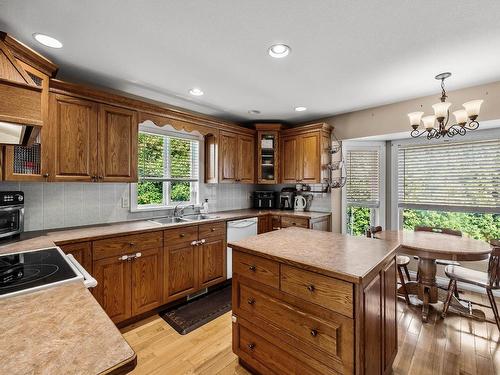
[[178, 212]]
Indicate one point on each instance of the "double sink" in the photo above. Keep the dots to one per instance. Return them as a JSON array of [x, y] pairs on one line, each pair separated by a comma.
[[182, 219]]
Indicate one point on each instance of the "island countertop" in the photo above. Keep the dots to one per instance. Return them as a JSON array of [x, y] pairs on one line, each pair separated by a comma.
[[345, 257]]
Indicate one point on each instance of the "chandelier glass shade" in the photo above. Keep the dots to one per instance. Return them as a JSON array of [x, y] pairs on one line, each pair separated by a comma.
[[437, 125]]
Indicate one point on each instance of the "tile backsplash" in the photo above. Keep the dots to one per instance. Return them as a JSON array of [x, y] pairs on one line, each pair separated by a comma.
[[58, 205]]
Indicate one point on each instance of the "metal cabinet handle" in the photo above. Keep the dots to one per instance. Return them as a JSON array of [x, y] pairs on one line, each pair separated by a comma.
[[251, 346], [194, 243], [251, 301], [252, 268], [314, 332], [138, 255], [123, 257], [311, 288], [201, 242]]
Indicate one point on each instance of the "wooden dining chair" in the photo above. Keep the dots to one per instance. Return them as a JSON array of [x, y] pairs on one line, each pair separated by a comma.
[[402, 262], [488, 280]]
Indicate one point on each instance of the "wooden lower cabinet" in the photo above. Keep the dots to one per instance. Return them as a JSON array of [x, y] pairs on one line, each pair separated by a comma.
[[82, 251], [263, 224], [194, 258], [181, 276], [310, 323], [129, 274], [212, 262]]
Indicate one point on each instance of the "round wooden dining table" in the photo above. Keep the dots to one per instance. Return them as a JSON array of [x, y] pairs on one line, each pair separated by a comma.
[[429, 247]]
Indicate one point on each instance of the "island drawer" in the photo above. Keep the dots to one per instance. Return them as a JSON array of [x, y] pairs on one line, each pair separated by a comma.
[[180, 236], [294, 222], [334, 294], [133, 243], [270, 355], [319, 334], [212, 230], [256, 268]]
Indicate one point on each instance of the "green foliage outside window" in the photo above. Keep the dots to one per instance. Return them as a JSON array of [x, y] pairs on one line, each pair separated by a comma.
[[152, 164], [475, 225], [358, 218]]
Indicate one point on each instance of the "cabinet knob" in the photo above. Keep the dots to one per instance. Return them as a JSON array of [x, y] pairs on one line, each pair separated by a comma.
[[251, 301], [182, 235], [138, 255], [131, 244], [213, 229], [252, 268], [46, 175], [311, 288], [251, 346], [294, 223], [314, 332], [100, 177]]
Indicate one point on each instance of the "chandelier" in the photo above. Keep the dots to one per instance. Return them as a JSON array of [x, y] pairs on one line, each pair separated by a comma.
[[465, 118]]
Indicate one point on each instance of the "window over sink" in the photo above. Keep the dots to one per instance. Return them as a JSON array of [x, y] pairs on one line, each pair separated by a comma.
[[168, 170]]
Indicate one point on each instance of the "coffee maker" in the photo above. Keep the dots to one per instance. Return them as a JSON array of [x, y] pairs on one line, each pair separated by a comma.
[[287, 197]]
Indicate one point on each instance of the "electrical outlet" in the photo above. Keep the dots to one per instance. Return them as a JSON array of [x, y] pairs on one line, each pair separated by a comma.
[[125, 202]]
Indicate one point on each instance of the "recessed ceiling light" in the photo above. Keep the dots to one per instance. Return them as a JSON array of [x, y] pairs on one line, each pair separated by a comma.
[[47, 40], [196, 91], [300, 109], [254, 112], [279, 51]]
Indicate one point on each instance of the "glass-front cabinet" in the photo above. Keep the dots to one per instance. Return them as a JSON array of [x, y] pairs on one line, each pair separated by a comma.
[[267, 153]]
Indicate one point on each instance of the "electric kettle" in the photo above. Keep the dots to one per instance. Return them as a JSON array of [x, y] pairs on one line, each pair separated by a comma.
[[300, 203]]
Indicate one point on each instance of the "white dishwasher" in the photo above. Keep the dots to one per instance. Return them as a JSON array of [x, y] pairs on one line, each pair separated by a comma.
[[238, 230]]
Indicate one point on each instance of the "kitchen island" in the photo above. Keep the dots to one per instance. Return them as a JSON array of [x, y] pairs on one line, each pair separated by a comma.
[[307, 302]]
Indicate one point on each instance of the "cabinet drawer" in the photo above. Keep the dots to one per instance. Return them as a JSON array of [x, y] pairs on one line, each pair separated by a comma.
[[212, 230], [273, 358], [117, 246], [334, 294], [256, 268], [294, 222], [179, 236], [306, 327]]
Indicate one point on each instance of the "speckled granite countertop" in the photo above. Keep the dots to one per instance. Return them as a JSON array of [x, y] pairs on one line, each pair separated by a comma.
[[47, 238], [333, 254], [61, 330], [64, 330]]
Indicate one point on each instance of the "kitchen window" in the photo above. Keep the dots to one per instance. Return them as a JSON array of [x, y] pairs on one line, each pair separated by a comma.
[[168, 170], [363, 193], [449, 184]]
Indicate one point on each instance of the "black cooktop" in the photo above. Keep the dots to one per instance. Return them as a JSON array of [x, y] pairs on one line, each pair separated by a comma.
[[33, 269]]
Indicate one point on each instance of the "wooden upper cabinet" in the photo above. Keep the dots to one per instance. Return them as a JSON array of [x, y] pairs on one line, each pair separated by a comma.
[[236, 158], [305, 154], [117, 139], [246, 159], [228, 150], [211, 159], [309, 158], [289, 159], [73, 124]]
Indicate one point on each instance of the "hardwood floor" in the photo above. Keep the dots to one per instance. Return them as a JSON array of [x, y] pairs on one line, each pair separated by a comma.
[[455, 345]]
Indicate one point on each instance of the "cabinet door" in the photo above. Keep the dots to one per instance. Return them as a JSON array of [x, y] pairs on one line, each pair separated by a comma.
[[212, 262], [117, 132], [82, 253], [309, 158], [113, 287], [181, 271], [246, 160], [73, 124], [288, 160], [263, 224], [147, 281], [390, 328], [372, 327], [228, 155]]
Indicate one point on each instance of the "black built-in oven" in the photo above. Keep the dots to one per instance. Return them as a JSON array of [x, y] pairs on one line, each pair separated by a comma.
[[11, 213]]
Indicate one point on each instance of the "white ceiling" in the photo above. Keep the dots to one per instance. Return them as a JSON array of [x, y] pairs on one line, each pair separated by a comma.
[[346, 55]]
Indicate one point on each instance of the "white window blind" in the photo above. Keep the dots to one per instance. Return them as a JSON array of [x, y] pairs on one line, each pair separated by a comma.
[[363, 185], [166, 158], [454, 176]]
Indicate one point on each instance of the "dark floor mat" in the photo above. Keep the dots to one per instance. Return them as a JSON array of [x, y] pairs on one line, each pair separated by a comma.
[[194, 314]]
